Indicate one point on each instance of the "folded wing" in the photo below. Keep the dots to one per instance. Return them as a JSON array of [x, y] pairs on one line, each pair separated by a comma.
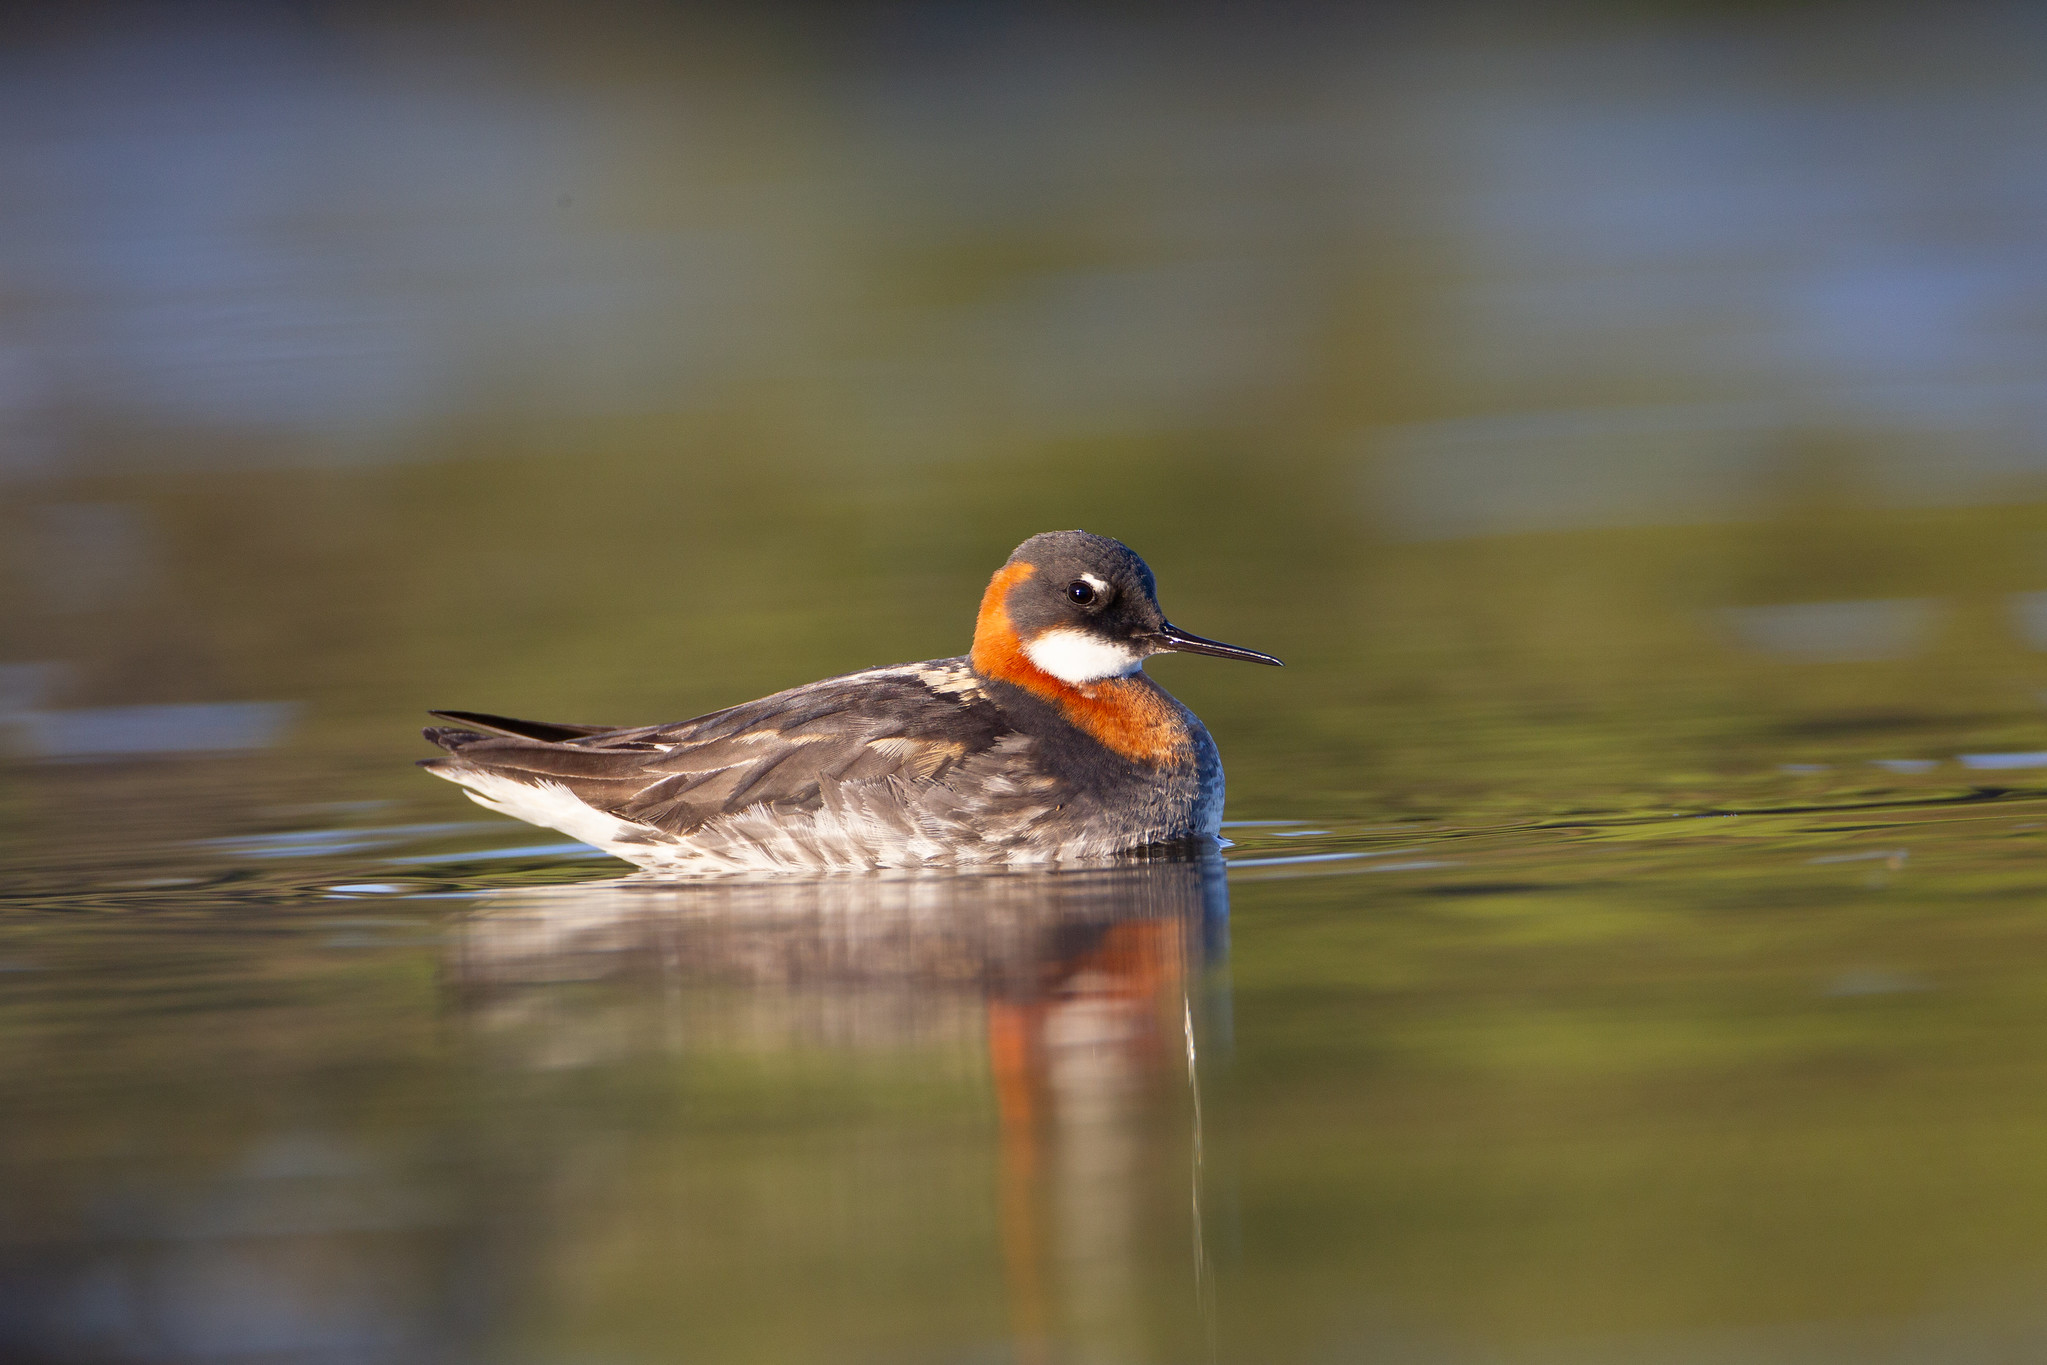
[[845, 740]]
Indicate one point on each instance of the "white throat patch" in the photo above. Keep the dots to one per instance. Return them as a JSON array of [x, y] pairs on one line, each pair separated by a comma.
[[1074, 656]]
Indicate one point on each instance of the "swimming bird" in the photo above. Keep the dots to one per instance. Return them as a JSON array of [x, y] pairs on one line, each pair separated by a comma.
[[1047, 742]]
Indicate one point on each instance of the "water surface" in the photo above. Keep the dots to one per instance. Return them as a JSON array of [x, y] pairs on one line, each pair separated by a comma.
[[1755, 1084]]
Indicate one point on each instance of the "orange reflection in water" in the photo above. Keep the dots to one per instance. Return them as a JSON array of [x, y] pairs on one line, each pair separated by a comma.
[[1070, 1059], [1077, 987]]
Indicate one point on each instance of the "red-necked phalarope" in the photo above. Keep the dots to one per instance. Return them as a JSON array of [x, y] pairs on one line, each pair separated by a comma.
[[1046, 743]]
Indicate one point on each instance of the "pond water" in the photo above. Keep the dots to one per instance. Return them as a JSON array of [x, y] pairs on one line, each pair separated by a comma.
[[1631, 943], [1730, 1046]]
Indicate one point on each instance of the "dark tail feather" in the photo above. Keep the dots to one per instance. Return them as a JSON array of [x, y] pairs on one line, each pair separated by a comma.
[[449, 738], [545, 731]]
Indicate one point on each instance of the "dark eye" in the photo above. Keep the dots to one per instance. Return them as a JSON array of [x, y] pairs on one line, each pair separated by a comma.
[[1081, 593]]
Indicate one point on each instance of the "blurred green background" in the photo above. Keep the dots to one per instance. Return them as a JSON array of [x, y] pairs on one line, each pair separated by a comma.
[[627, 362]]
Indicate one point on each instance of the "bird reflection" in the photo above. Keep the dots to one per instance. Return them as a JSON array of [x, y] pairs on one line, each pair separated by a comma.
[[1087, 991]]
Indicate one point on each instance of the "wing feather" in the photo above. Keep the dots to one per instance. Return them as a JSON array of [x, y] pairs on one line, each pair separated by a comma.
[[825, 744], [523, 729]]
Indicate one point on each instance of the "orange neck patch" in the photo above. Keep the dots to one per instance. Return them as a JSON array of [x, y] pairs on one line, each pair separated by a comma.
[[1128, 715]]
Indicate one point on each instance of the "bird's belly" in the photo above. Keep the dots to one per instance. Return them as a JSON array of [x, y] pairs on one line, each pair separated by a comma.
[[843, 835]]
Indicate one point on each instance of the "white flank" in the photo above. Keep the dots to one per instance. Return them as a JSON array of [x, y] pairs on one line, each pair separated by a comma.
[[1074, 656], [861, 828], [548, 804]]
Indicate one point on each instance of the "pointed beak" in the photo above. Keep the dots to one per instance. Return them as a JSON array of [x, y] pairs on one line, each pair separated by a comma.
[[1171, 637]]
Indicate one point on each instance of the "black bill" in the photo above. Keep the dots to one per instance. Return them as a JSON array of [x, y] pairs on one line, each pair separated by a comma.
[[1173, 638]]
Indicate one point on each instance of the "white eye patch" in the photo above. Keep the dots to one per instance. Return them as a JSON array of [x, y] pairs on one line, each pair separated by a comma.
[[1097, 584], [1074, 656]]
